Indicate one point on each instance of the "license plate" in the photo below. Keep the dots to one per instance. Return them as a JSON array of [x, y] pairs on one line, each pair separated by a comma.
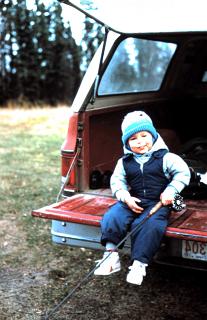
[[194, 250]]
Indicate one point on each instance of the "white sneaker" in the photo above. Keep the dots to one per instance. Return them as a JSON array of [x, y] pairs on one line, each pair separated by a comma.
[[109, 265], [136, 273]]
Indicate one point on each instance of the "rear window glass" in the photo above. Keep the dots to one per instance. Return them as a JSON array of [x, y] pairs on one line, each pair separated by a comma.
[[137, 65]]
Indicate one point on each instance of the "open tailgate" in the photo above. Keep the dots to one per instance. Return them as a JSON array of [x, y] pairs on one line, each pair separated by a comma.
[[191, 223], [87, 209], [82, 208]]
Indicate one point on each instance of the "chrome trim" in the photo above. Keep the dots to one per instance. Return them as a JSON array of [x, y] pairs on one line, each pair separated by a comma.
[[63, 235], [186, 235]]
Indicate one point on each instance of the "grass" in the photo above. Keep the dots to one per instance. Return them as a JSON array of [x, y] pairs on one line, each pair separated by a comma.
[[35, 273], [30, 142]]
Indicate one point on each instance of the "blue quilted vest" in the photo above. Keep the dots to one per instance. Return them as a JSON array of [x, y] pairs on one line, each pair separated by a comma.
[[149, 183]]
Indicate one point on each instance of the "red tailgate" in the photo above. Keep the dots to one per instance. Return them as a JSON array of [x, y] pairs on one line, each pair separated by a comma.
[[190, 224], [81, 208]]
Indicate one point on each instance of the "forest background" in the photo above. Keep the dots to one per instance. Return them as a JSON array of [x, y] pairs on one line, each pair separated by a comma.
[[40, 61]]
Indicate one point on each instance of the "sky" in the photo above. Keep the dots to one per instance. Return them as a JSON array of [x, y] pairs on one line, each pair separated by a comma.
[[69, 14], [76, 19]]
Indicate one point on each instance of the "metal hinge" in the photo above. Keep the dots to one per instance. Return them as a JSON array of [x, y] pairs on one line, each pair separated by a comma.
[[79, 142], [80, 126], [79, 162]]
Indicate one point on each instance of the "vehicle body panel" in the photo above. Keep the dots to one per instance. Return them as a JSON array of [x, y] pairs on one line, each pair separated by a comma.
[[93, 141]]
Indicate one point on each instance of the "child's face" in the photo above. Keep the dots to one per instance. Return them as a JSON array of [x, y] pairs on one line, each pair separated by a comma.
[[140, 142]]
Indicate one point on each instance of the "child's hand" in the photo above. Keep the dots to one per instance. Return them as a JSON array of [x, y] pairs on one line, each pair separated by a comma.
[[132, 204], [166, 199]]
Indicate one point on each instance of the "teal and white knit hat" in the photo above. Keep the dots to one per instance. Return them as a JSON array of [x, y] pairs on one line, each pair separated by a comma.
[[134, 122]]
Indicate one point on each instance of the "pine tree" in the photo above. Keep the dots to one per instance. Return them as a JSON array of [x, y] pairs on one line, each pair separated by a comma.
[[93, 35], [41, 37], [40, 61], [5, 48], [60, 82]]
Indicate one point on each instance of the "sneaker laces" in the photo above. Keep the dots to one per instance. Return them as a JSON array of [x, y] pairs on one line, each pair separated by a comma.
[[105, 255]]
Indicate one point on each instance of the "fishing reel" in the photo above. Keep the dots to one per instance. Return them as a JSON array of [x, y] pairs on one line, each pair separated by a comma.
[[178, 203]]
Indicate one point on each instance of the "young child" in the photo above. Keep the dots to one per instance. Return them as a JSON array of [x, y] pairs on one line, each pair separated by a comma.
[[146, 174]]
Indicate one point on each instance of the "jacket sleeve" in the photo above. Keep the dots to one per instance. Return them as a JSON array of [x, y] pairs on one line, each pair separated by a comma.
[[177, 171], [119, 186]]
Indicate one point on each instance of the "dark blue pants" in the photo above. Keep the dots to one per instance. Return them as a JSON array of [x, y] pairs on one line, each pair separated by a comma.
[[145, 242]]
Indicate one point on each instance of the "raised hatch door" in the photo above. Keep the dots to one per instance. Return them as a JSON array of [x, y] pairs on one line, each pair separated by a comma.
[[145, 16]]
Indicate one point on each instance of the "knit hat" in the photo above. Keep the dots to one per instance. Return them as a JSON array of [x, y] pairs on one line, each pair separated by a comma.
[[134, 122]]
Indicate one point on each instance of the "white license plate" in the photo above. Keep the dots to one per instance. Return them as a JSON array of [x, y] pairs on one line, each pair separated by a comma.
[[194, 250]]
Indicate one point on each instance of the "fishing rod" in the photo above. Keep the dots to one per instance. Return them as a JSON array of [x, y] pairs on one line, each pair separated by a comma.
[[177, 205]]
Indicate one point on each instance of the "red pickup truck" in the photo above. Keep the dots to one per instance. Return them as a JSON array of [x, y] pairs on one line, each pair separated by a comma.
[[153, 60]]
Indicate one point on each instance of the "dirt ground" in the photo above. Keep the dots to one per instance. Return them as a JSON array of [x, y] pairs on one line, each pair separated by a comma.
[[32, 293]]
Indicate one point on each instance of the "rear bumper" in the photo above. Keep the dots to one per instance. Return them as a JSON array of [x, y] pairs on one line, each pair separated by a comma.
[[79, 235], [170, 254]]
